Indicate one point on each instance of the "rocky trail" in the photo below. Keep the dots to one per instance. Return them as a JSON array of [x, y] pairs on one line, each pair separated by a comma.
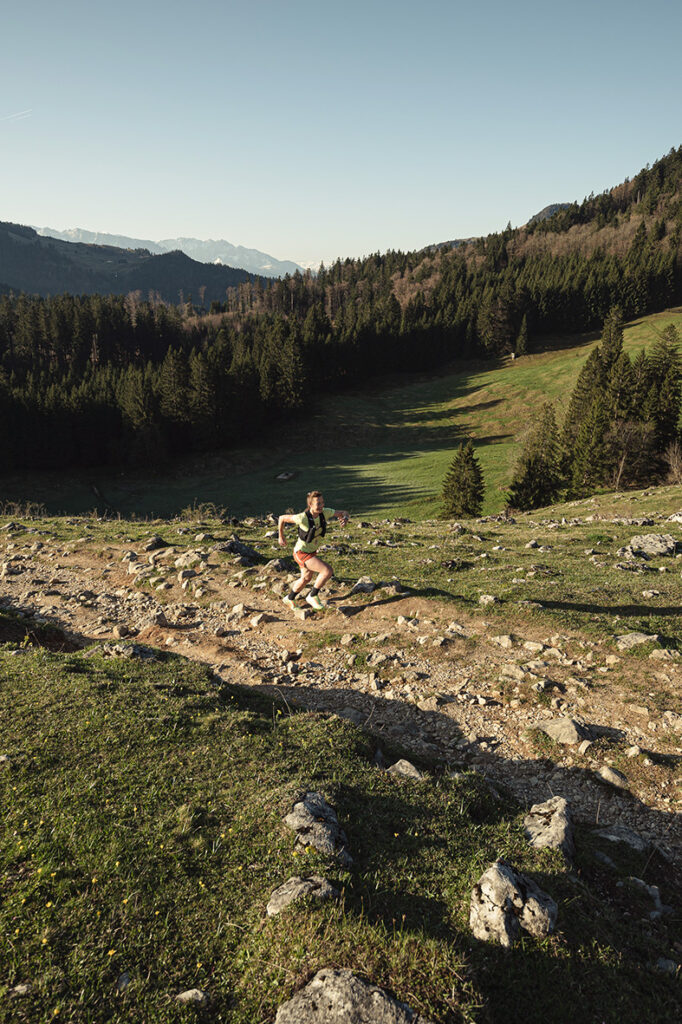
[[536, 714]]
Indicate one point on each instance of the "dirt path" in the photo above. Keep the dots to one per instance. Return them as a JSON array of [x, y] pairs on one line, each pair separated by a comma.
[[458, 691]]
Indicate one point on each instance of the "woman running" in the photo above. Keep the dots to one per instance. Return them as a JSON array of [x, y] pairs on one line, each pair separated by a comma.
[[312, 526]]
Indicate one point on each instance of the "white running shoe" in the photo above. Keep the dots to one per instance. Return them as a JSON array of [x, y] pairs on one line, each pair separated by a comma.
[[288, 601], [314, 602]]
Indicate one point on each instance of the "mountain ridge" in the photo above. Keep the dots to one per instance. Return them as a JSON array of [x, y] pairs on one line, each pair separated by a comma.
[[42, 265], [217, 251]]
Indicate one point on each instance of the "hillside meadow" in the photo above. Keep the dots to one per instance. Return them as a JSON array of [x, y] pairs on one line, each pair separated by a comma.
[[380, 450]]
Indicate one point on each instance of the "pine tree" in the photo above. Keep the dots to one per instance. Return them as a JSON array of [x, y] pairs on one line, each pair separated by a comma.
[[612, 338], [522, 338], [463, 486], [620, 389], [172, 387], [588, 386], [537, 478], [589, 459]]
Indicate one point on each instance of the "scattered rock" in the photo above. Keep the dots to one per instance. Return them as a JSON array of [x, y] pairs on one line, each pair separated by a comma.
[[664, 654], [315, 824], [123, 981], [296, 887], [155, 542], [505, 640], [23, 989], [549, 825], [665, 966], [630, 640], [512, 671], [407, 769], [188, 560], [487, 599], [238, 611], [340, 997], [365, 585], [352, 715], [622, 834], [504, 901], [613, 778], [652, 545], [192, 997], [564, 730]]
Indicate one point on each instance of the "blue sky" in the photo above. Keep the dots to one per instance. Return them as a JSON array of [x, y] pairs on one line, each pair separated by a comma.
[[317, 130]]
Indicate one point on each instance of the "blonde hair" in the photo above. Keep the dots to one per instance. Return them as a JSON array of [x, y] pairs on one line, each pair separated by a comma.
[[311, 495]]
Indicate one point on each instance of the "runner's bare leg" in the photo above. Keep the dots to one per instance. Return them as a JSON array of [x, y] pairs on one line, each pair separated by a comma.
[[304, 580], [324, 571]]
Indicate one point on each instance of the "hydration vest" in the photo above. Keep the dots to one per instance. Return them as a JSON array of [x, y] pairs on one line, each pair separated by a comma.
[[308, 536]]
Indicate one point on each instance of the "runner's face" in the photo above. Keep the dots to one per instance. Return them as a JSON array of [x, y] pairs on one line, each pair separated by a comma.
[[316, 506]]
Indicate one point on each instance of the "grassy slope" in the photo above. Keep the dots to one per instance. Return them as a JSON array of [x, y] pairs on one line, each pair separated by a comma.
[[380, 451], [142, 837]]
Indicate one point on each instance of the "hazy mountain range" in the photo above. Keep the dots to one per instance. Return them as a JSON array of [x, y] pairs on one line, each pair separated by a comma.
[[216, 251], [40, 265]]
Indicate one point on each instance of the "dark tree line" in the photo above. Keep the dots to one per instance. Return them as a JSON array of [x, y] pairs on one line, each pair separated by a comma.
[[110, 379]]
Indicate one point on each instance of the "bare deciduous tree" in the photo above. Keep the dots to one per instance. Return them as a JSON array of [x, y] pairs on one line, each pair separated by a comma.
[[673, 457]]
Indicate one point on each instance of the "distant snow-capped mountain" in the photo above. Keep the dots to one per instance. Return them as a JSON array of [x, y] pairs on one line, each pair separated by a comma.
[[216, 251]]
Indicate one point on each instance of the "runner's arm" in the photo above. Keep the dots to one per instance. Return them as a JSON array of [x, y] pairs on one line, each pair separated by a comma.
[[281, 523], [343, 516]]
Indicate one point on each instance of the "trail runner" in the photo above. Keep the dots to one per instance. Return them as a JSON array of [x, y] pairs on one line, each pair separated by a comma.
[[312, 526]]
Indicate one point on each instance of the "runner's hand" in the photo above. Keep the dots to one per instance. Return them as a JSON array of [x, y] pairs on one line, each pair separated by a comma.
[[282, 542]]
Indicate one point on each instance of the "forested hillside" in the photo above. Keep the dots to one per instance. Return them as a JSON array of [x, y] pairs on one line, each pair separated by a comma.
[[96, 380]]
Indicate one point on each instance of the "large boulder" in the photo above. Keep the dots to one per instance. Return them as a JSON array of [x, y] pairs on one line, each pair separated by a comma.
[[504, 902], [340, 997], [315, 824], [549, 825], [652, 545]]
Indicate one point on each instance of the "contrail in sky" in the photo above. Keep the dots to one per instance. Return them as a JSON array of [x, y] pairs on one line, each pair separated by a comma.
[[19, 116]]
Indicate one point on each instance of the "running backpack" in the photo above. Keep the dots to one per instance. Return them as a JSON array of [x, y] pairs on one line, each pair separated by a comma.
[[308, 536]]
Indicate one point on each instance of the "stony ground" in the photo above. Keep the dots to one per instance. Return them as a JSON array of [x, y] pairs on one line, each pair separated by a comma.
[[450, 685]]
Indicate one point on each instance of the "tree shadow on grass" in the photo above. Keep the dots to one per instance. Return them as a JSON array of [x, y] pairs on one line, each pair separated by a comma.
[[625, 610]]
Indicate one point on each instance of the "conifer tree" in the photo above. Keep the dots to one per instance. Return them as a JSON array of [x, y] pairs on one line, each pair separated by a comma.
[[589, 459], [612, 338], [537, 478], [620, 389], [522, 338], [463, 486], [588, 386]]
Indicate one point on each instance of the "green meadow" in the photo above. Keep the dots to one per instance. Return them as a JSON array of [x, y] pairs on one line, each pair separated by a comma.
[[142, 811], [380, 450]]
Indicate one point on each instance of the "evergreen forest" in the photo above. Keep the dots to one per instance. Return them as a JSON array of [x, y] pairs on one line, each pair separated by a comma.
[[95, 380]]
